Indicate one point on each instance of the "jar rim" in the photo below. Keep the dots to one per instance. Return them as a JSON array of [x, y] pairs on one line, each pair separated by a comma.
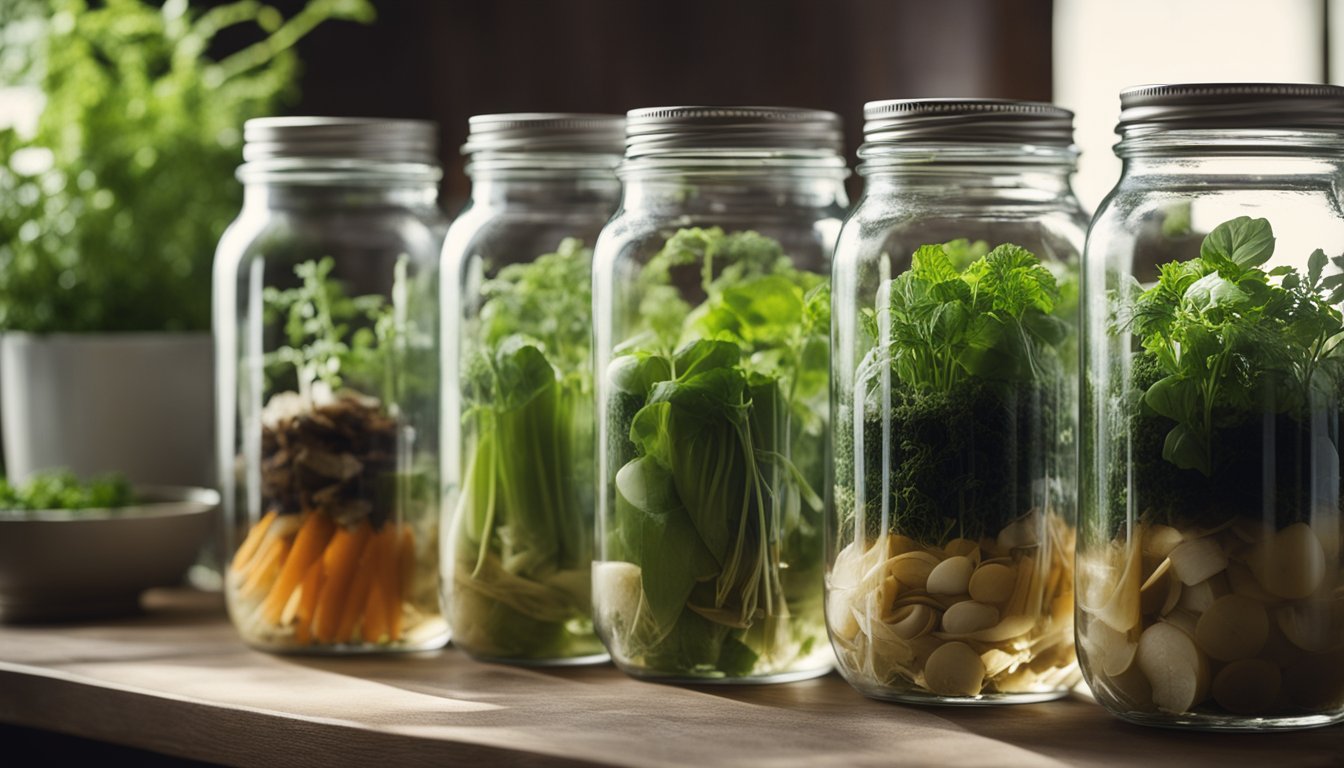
[[738, 162], [884, 157], [384, 140], [1230, 106], [967, 121], [568, 133], [1213, 142], [336, 171], [689, 131]]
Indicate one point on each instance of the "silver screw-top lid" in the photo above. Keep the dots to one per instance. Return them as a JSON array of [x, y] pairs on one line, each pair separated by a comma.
[[970, 121], [341, 138], [1231, 105], [555, 132], [676, 130]]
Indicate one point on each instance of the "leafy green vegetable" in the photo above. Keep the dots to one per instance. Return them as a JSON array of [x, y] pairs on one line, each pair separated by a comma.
[[718, 418], [1229, 339], [988, 320], [318, 325], [110, 211], [1234, 367], [962, 398], [63, 490], [523, 549]]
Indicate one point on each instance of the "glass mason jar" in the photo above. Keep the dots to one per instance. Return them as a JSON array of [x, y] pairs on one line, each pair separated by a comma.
[[326, 326], [519, 437], [711, 314], [950, 550], [1209, 585]]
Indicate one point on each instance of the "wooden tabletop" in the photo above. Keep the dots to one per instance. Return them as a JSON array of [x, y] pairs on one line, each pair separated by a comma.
[[177, 680]]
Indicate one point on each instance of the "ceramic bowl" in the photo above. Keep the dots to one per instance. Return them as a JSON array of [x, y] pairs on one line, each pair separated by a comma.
[[61, 564]]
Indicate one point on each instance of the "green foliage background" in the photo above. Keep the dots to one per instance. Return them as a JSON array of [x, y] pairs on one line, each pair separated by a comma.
[[110, 212]]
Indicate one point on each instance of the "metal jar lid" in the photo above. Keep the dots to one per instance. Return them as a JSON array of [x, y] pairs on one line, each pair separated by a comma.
[[655, 131], [341, 138], [557, 132], [969, 121], [1288, 106]]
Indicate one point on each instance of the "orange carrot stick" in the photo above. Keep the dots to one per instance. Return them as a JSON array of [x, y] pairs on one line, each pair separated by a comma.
[[253, 541], [339, 562], [312, 587], [374, 628], [302, 635], [312, 538], [377, 614], [359, 586]]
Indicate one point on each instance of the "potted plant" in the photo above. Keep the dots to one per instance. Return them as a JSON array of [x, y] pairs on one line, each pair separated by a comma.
[[110, 208]]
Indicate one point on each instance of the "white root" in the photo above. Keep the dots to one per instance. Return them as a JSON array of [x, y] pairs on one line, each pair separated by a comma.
[[1197, 560], [908, 604], [1175, 668]]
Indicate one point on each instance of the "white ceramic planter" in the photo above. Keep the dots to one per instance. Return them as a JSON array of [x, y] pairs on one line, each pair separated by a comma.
[[137, 403]]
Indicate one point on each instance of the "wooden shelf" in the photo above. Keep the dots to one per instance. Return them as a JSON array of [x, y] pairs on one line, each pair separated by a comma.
[[177, 680]]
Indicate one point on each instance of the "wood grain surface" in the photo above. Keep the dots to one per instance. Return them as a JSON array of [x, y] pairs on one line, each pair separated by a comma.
[[177, 680]]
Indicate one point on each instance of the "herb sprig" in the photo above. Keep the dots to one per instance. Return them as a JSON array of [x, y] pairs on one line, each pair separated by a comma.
[[332, 335], [990, 318], [61, 489], [1230, 340]]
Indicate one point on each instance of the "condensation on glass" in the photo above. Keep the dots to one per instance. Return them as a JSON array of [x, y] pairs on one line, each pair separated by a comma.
[[950, 549], [326, 325], [1209, 586], [519, 432], [711, 313]]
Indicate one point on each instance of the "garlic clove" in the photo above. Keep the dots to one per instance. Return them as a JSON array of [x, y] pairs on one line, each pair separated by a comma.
[[1160, 540], [968, 548], [912, 568], [1011, 626], [954, 670], [1197, 598], [951, 577], [1115, 650], [1174, 666], [969, 616], [992, 583], [896, 544], [1197, 560]]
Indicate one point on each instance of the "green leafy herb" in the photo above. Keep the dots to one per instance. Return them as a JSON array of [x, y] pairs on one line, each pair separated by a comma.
[[962, 397], [522, 578], [111, 209], [319, 318], [988, 320], [63, 490], [1228, 339], [718, 415]]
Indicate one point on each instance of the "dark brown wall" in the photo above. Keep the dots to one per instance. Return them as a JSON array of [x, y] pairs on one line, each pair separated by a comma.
[[448, 59]]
